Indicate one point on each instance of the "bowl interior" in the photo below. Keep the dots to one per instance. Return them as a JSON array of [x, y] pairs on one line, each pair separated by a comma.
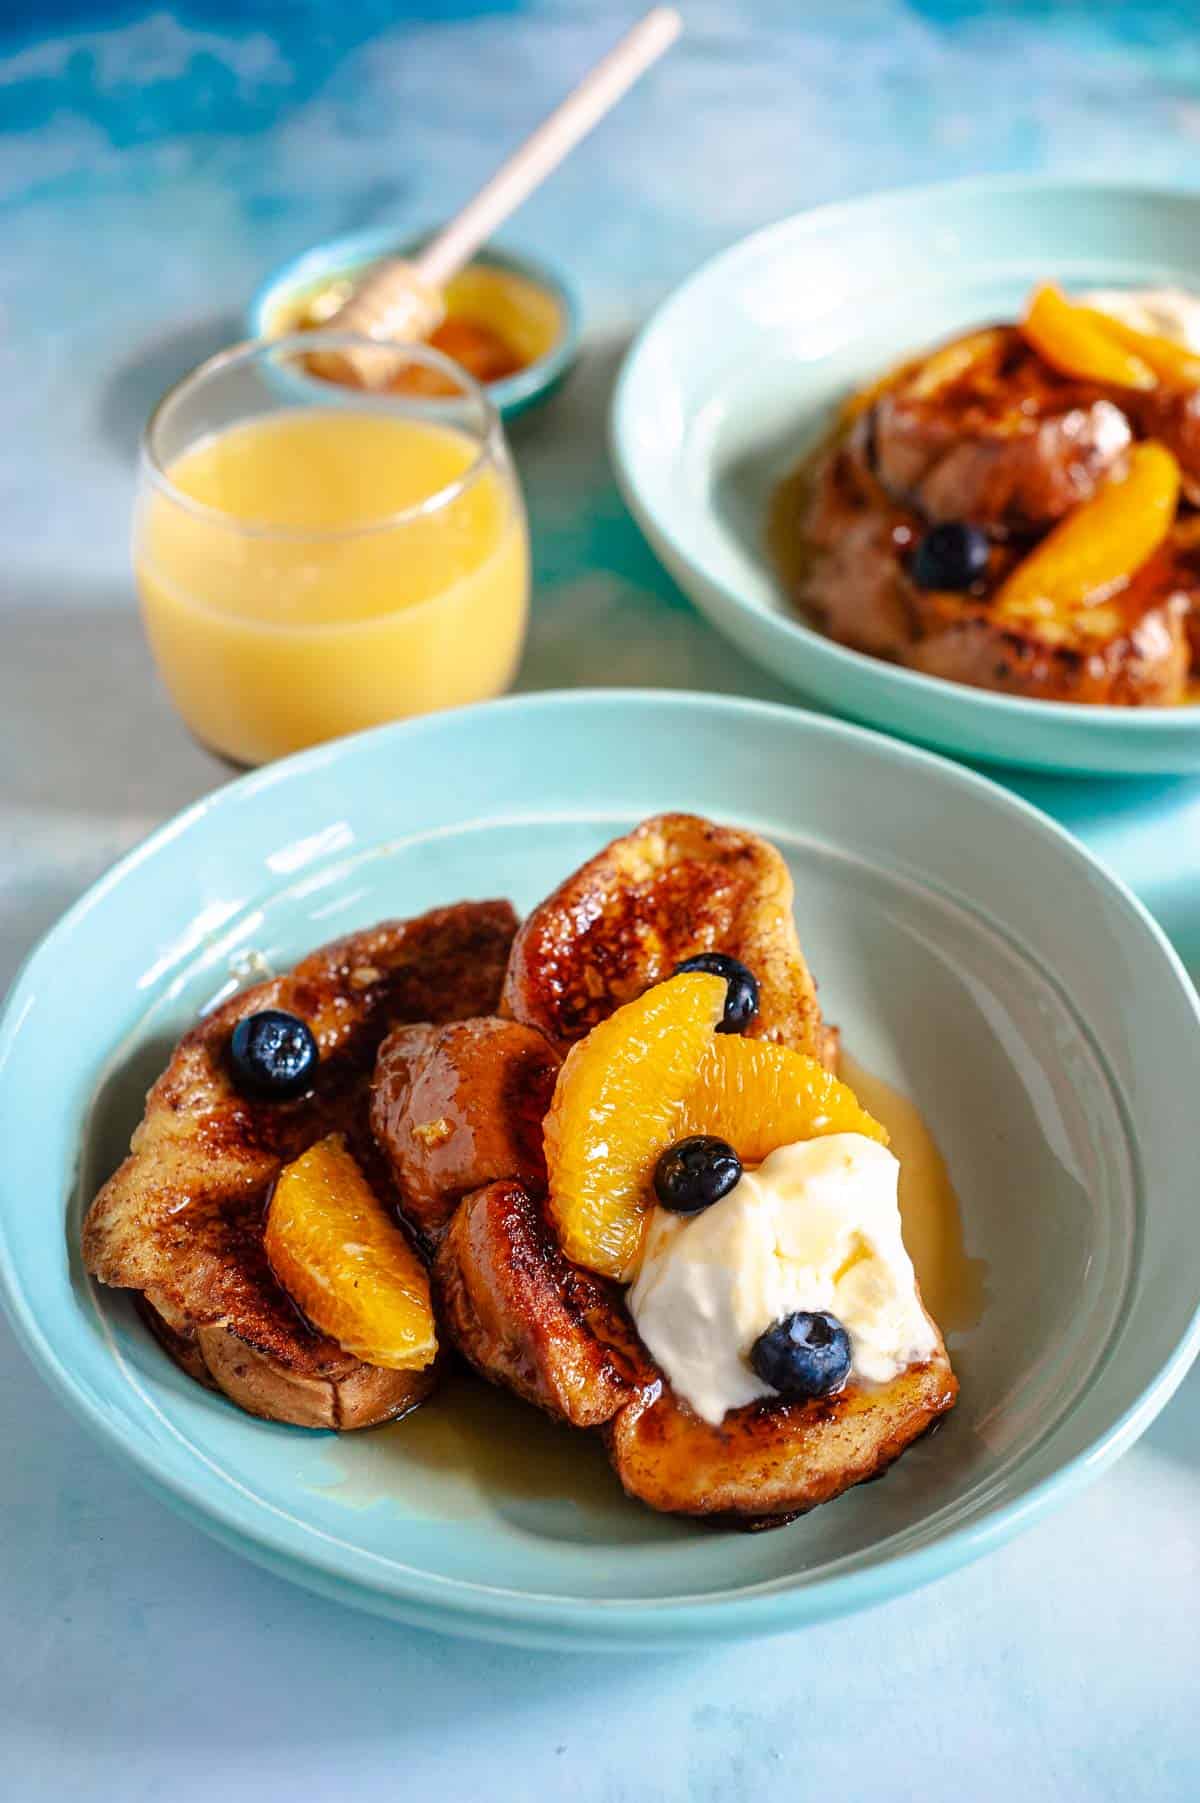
[[976, 1007], [739, 373]]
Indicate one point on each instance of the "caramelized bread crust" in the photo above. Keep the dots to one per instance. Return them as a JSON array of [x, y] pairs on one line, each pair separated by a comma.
[[346, 1394], [181, 1221], [527, 1318], [773, 1460], [1141, 660], [1006, 441], [675, 886], [455, 1107]]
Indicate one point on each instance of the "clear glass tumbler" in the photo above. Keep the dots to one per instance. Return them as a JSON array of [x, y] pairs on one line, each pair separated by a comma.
[[314, 558]]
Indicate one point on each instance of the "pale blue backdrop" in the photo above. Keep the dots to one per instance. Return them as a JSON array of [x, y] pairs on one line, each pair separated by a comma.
[[154, 163]]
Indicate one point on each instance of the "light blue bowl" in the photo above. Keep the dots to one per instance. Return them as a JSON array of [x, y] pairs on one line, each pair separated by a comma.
[[970, 951], [737, 374], [339, 256]]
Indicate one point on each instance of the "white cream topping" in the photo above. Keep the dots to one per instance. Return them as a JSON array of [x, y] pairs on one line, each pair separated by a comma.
[[1170, 312], [816, 1226]]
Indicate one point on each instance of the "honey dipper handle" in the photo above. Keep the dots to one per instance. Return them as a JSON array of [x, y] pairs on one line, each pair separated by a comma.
[[546, 147]]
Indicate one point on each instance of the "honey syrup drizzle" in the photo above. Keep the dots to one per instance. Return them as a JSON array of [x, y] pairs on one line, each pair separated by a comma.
[[786, 545], [953, 1285]]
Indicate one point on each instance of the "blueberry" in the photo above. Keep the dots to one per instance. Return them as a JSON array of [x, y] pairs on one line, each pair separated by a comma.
[[803, 1355], [274, 1055], [950, 556], [741, 993], [696, 1173]]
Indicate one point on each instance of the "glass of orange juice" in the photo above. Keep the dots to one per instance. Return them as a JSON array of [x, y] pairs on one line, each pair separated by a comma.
[[314, 558]]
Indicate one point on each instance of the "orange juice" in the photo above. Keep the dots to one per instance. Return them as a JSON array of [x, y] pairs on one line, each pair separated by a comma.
[[314, 571]]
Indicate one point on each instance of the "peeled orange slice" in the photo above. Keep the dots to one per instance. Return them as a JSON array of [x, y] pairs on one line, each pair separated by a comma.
[[346, 1264], [653, 1073], [759, 1097], [1073, 341], [1172, 363], [1097, 547], [617, 1105]]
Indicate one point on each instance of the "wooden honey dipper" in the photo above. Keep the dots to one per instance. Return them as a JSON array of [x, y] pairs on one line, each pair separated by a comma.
[[401, 300]]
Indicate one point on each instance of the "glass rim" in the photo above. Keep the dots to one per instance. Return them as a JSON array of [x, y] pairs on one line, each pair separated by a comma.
[[488, 447]]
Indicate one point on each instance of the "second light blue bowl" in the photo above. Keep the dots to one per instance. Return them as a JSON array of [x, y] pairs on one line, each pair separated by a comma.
[[739, 372]]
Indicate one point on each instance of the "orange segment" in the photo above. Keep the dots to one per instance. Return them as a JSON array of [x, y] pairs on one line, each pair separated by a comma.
[[345, 1264], [1077, 345], [1097, 547], [1171, 362], [953, 362], [760, 1097], [653, 1073], [616, 1107]]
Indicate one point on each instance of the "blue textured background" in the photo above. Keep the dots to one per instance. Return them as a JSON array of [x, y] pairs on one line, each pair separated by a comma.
[[154, 163]]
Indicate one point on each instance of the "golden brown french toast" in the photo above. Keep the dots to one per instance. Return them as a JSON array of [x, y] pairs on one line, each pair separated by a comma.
[[457, 1106], [1131, 652], [983, 429], [530, 1320], [675, 886], [442, 1104], [773, 1459], [181, 1221]]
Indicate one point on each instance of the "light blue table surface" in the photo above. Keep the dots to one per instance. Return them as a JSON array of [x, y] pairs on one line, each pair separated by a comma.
[[154, 163]]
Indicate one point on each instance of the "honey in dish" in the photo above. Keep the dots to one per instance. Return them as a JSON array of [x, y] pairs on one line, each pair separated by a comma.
[[508, 1450], [497, 323]]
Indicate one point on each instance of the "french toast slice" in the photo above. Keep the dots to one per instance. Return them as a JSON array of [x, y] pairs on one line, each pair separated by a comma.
[[457, 1106], [983, 429], [532, 1322], [528, 1319], [769, 1462], [182, 1220], [1132, 650], [675, 886]]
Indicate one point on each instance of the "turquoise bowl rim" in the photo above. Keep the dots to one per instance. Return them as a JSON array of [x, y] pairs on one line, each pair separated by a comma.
[[531, 1619], [1172, 732], [511, 397]]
